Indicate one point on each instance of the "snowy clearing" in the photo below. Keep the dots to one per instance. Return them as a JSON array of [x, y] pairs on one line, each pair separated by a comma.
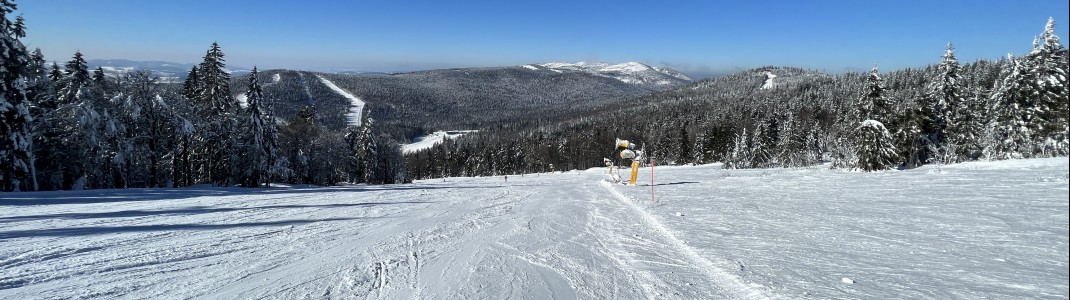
[[966, 231], [432, 139], [356, 105], [769, 83]]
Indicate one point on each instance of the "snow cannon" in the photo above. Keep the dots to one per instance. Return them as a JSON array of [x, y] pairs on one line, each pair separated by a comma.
[[624, 144], [627, 154]]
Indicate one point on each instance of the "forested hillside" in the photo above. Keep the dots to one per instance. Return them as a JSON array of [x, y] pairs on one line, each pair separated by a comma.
[[786, 117], [73, 127], [76, 128]]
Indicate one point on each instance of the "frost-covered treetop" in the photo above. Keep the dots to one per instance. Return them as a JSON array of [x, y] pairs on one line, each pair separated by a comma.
[[1048, 41]]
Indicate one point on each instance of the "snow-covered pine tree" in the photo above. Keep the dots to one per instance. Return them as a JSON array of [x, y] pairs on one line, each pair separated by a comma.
[[219, 109], [299, 135], [763, 144], [967, 126], [874, 104], [873, 146], [76, 76], [16, 139], [354, 145], [740, 157], [255, 166], [370, 149], [908, 138], [1047, 71], [100, 79], [944, 94], [698, 151], [192, 85], [278, 167], [148, 114], [684, 145], [56, 73], [964, 115], [42, 95]]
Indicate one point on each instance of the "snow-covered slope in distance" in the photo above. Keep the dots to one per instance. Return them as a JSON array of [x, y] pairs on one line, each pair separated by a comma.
[[167, 71], [432, 139], [356, 106], [629, 72], [981, 230]]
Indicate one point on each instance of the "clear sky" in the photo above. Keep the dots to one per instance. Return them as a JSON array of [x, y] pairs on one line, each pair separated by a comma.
[[401, 35]]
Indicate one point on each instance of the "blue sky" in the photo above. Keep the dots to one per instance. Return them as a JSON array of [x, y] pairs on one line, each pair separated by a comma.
[[399, 35]]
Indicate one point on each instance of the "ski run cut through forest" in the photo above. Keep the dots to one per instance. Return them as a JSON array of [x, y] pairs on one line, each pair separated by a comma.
[[995, 230]]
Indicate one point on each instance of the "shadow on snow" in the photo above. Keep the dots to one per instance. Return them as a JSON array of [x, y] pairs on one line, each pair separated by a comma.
[[98, 230], [151, 194], [192, 210]]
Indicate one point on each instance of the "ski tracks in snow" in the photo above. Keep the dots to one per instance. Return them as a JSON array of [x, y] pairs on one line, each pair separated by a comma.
[[728, 284]]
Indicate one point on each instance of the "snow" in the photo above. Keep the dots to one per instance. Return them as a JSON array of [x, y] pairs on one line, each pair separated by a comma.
[[871, 123], [243, 99], [530, 67], [430, 140], [356, 107], [276, 77], [976, 230], [629, 72], [769, 83]]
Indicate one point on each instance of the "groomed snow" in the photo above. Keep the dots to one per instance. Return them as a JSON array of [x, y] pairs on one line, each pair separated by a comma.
[[356, 107], [432, 139], [982, 230]]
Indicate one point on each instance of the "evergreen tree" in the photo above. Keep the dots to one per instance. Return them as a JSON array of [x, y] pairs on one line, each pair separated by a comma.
[[874, 104], [355, 145], [740, 157], [56, 74], [219, 110], [214, 88], [41, 92], [100, 79], [698, 151], [370, 149], [16, 149], [944, 94], [76, 76], [874, 148], [1047, 73], [277, 164], [299, 135], [684, 155], [256, 152], [192, 86]]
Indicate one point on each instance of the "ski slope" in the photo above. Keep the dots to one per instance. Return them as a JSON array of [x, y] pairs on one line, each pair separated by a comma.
[[356, 107], [966, 231], [430, 140]]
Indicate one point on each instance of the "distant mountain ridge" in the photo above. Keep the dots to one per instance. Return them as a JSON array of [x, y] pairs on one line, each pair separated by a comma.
[[168, 71], [643, 75]]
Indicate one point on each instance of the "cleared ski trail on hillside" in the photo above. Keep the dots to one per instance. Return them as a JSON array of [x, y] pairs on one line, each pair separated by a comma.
[[356, 107]]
